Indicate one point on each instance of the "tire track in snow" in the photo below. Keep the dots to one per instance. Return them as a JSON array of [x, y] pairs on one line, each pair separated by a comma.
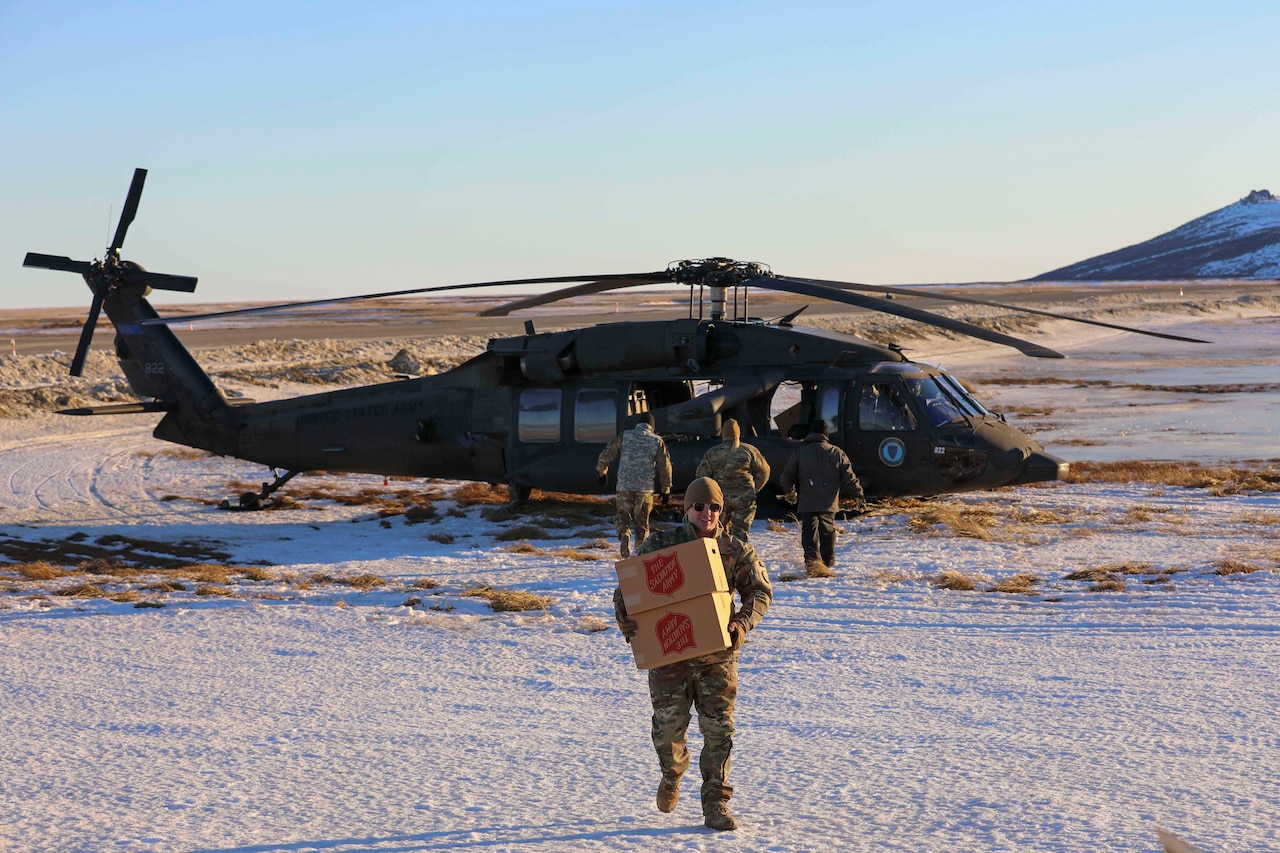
[[82, 477]]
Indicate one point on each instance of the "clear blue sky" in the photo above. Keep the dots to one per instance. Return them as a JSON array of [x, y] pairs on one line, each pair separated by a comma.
[[308, 150]]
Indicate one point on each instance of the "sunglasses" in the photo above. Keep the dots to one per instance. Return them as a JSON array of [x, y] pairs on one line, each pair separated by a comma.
[[703, 507]]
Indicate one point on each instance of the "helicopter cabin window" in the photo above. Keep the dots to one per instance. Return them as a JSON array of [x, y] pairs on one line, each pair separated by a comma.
[[881, 409], [540, 414], [595, 415], [829, 408]]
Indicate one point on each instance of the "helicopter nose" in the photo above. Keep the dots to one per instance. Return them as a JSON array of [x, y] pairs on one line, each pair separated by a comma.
[[1041, 467]]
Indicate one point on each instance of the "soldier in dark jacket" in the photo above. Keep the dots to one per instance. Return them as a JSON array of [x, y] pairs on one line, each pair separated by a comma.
[[709, 682], [819, 472]]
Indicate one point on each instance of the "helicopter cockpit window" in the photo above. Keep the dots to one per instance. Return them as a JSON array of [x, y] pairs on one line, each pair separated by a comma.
[[540, 414], [881, 408], [938, 407], [595, 415], [962, 395]]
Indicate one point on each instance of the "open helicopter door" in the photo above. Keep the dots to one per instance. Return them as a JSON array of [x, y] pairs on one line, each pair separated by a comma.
[[883, 433]]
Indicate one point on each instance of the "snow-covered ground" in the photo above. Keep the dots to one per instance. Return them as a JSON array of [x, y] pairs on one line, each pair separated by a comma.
[[1133, 686]]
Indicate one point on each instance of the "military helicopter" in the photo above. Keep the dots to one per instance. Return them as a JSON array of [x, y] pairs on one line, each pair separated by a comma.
[[534, 411]]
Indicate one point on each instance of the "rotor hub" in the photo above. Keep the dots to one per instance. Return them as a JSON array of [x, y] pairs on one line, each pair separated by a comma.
[[716, 272]]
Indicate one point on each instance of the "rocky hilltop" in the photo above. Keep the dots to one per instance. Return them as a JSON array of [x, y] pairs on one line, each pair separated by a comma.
[[1239, 241]]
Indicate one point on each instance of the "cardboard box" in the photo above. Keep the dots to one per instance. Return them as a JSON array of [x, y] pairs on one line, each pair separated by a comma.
[[686, 629], [670, 575]]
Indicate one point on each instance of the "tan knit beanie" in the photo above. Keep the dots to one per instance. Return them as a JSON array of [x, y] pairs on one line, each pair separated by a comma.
[[730, 430], [703, 490]]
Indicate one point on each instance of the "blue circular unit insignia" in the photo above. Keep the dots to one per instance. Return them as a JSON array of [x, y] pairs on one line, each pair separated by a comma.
[[893, 452]]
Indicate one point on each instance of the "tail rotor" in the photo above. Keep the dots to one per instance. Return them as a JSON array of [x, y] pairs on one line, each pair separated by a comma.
[[111, 274]]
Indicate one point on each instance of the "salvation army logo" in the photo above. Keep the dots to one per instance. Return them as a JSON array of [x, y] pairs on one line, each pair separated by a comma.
[[675, 633], [893, 452], [663, 575]]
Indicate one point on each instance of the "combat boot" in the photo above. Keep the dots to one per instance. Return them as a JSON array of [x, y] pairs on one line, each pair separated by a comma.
[[624, 548], [817, 569], [668, 794], [718, 817]]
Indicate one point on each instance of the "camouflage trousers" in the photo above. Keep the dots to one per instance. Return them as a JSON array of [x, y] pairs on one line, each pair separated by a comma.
[[711, 686], [633, 510], [739, 513]]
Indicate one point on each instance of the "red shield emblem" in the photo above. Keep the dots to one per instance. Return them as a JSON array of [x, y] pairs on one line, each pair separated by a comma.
[[675, 633], [663, 575]]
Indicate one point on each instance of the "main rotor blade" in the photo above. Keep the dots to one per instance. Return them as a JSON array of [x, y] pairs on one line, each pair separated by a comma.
[[56, 262], [130, 208], [591, 287], [822, 291], [82, 348], [284, 306], [925, 294], [161, 281]]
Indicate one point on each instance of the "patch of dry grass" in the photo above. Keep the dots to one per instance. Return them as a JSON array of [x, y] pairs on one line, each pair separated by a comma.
[[1219, 480], [953, 580], [470, 494], [967, 521], [521, 531], [1111, 570], [524, 548], [39, 570], [592, 625], [575, 554], [1236, 567], [363, 583], [83, 590], [1022, 583], [254, 573], [501, 514], [509, 600], [1035, 516], [206, 573]]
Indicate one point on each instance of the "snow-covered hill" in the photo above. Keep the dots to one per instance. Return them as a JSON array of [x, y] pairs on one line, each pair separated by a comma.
[[1239, 241]]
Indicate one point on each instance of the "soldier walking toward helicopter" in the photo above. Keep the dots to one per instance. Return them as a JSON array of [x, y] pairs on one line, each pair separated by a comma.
[[819, 472], [641, 454], [741, 470]]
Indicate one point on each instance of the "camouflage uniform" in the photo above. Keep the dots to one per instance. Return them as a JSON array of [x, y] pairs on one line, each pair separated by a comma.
[[708, 683], [741, 471], [640, 452]]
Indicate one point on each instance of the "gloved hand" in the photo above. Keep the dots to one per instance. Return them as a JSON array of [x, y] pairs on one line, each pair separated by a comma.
[[628, 627], [602, 478], [737, 635]]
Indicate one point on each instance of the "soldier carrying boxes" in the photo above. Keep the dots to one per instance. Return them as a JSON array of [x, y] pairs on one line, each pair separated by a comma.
[[674, 604]]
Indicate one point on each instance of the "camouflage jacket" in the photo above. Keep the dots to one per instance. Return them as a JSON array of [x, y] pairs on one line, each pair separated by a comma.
[[738, 468], [640, 452], [742, 568], [820, 472]]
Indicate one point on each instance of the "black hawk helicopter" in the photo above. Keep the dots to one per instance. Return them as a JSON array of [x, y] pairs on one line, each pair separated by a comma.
[[534, 411]]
